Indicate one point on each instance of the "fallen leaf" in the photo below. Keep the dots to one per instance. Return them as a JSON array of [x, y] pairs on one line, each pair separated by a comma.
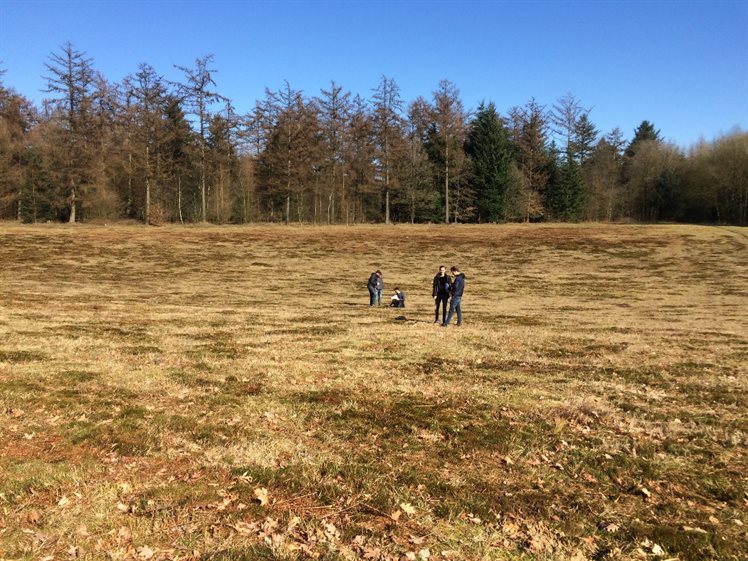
[[330, 529], [124, 534], [646, 492], [261, 494], [295, 521], [408, 509], [396, 515], [424, 554], [34, 517], [244, 529], [510, 528], [145, 552], [694, 530], [657, 551], [63, 501]]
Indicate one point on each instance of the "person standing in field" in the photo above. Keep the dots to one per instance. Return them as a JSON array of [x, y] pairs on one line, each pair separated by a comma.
[[380, 288], [456, 289], [440, 293], [375, 286]]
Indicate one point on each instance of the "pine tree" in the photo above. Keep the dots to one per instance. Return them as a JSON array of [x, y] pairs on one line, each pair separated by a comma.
[[290, 157], [388, 135], [197, 92], [566, 197], [179, 147], [530, 135], [585, 138], [490, 155], [71, 76], [446, 137], [148, 92], [644, 132], [334, 108], [360, 155]]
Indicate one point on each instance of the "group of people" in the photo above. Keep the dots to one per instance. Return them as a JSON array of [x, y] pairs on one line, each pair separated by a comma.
[[445, 289]]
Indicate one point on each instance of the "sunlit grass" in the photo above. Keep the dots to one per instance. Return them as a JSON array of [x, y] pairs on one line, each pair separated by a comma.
[[154, 381]]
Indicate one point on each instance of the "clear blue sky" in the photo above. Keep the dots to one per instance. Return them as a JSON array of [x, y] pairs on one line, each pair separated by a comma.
[[681, 65]]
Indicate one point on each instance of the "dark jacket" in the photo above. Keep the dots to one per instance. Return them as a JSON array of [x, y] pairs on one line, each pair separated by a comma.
[[373, 281], [458, 285], [441, 285]]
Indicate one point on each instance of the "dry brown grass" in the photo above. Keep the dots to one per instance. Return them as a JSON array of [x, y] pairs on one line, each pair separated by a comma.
[[154, 381]]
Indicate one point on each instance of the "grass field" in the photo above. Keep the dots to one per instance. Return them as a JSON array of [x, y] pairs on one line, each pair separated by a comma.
[[226, 393]]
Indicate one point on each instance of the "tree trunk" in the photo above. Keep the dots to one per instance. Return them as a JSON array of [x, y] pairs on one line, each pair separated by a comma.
[[203, 187], [72, 206], [129, 185], [446, 183], [179, 199], [147, 186], [147, 201]]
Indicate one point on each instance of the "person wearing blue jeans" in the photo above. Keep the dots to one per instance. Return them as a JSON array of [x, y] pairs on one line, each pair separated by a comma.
[[456, 289], [375, 286]]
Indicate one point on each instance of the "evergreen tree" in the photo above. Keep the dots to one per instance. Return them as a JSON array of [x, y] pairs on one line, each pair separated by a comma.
[[566, 195], [417, 167], [585, 138], [602, 177], [446, 137], [530, 135], [644, 132], [197, 92], [334, 107], [291, 155], [490, 155], [388, 135], [148, 134], [179, 146]]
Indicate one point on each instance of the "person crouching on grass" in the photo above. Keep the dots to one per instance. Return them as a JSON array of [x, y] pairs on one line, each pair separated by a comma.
[[398, 299], [456, 290]]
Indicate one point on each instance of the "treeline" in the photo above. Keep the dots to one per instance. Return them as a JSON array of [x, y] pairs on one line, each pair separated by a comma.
[[158, 151]]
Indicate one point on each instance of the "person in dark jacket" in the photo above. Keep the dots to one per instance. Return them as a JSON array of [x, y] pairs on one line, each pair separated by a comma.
[[440, 292], [456, 291], [398, 299], [375, 286]]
